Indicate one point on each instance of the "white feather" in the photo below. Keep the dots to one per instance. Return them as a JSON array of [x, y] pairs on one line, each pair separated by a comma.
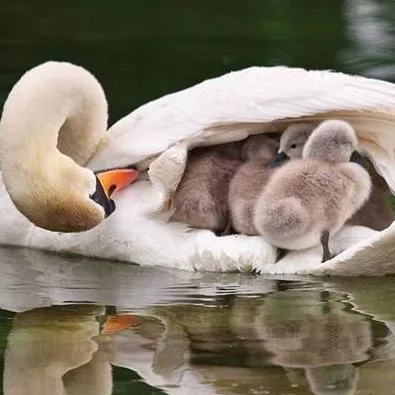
[[256, 95]]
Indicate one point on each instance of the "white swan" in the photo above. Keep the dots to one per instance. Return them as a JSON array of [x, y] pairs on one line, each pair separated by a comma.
[[224, 109]]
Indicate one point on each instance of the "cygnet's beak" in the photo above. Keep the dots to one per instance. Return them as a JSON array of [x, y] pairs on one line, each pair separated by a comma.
[[109, 181], [356, 157], [279, 159]]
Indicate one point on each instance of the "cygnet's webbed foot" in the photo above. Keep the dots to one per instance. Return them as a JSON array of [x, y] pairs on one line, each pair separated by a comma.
[[326, 254]]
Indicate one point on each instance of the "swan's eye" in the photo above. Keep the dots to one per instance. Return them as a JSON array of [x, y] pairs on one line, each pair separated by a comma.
[[293, 146]]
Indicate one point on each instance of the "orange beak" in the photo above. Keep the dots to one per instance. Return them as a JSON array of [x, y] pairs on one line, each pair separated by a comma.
[[116, 179], [117, 323]]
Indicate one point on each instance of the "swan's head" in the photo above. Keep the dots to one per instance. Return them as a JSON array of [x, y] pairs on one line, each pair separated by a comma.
[[332, 141], [65, 197], [259, 148], [293, 140], [52, 122]]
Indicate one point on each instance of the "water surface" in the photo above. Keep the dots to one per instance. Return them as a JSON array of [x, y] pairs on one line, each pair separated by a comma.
[[97, 327]]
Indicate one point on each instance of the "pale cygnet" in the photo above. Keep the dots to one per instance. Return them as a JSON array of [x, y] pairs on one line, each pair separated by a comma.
[[251, 177], [201, 199], [293, 140], [307, 200], [377, 212]]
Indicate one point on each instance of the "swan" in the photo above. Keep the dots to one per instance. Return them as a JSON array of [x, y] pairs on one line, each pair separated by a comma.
[[228, 108], [308, 200]]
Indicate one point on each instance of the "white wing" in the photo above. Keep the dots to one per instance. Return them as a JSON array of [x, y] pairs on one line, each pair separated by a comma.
[[236, 104]]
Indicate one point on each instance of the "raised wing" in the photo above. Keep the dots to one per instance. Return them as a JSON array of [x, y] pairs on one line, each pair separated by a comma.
[[236, 104]]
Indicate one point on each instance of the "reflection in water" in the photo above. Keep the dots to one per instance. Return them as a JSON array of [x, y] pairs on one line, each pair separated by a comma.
[[31, 278], [311, 330], [231, 348], [51, 351], [301, 340], [192, 333]]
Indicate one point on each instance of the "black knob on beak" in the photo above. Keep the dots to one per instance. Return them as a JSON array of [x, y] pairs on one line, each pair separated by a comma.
[[281, 158], [100, 197]]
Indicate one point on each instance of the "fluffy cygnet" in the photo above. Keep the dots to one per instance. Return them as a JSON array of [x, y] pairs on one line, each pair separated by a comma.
[[377, 212], [251, 177], [201, 199], [293, 140], [307, 200]]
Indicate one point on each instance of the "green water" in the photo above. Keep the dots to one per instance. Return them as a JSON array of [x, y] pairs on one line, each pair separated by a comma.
[[142, 50], [190, 333]]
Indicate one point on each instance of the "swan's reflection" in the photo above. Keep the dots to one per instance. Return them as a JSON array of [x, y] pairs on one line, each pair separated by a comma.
[[311, 329], [51, 351], [231, 348], [294, 341], [319, 337]]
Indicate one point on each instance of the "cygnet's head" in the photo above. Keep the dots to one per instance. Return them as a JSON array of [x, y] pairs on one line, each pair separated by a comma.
[[332, 141], [259, 148], [293, 140]]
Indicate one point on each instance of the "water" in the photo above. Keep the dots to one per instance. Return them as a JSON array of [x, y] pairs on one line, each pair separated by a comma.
[[97, 327], [76, 326]]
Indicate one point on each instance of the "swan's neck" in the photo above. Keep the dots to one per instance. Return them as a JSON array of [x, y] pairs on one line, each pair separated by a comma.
[[54, 105], [51, 124]]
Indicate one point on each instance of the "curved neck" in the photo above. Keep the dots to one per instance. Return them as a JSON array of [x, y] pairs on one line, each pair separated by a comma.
[[55, 105], [51, 124]]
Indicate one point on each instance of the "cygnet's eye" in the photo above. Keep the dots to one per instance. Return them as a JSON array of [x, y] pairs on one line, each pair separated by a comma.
[[293, 146]]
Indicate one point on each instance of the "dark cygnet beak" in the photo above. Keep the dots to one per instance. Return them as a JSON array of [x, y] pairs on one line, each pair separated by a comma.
[[279, 159], [358, 158]]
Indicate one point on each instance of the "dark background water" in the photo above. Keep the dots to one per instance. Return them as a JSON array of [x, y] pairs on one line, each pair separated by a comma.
[[140, 50]]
